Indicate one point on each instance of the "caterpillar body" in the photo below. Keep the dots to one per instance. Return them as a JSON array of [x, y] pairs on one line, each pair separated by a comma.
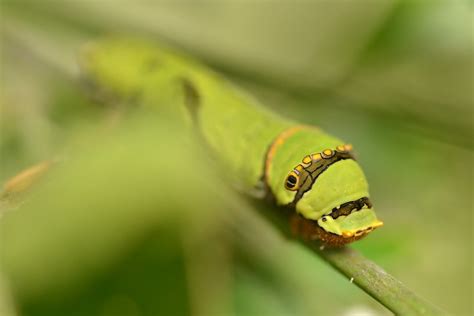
[[302, 168]]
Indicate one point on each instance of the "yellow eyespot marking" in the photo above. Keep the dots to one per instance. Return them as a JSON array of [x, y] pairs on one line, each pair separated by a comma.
[[341, 148], [291, 182], [327, 153], [348, 147], [307, 160]]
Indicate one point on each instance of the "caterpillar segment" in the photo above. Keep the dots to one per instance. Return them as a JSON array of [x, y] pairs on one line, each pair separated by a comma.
[[330, 200], [313, 165]]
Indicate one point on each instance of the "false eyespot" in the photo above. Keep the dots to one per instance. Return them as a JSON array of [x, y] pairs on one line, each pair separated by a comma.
[[292, 181]]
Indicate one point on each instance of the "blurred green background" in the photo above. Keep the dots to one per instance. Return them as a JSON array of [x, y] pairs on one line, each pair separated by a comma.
[[99, 238]]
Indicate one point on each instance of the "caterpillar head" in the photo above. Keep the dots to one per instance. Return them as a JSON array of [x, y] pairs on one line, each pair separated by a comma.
[[332, 191]]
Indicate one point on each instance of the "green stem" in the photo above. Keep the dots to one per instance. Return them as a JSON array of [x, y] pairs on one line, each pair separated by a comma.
[[364, 273], [372, 279]]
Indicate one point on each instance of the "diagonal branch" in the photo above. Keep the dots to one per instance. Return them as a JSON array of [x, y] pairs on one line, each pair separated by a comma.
[[372, 279], [367, 275]]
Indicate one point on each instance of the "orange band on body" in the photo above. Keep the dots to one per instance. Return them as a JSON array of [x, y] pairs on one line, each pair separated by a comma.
[[278, 142]]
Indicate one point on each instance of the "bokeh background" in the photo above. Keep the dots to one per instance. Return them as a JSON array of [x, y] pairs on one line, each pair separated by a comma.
[[106, 236]]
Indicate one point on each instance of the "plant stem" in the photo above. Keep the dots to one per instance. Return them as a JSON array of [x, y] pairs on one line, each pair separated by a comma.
[[372, 279], [364, 273]]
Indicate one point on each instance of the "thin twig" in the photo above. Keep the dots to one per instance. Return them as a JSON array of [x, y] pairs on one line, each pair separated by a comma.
[[364, 273], [376, 282]]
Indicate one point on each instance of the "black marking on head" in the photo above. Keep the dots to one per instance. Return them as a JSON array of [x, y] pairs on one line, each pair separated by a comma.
[[192, 100], [322, 166], [301, 191], [348, 207], [292, 180]]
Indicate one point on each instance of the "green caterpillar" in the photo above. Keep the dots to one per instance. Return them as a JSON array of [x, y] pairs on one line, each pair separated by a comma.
[[301, 167]]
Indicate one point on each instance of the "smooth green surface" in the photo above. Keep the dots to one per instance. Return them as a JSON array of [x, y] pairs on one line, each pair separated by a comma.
[[232, 123], [340, 183]]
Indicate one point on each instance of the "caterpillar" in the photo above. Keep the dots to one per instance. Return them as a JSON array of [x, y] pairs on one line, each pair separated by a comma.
[[303, 169]]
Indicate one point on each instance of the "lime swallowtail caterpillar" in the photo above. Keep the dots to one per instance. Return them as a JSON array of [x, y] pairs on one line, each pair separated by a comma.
[[302, 167]]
